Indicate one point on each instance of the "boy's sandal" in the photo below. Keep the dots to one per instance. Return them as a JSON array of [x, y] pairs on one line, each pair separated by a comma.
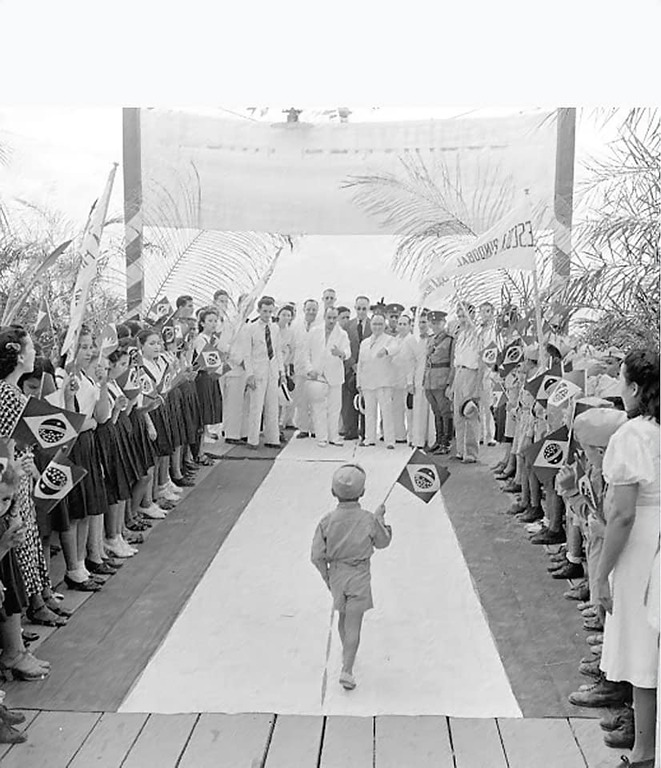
[[347, 681], [44, 617]]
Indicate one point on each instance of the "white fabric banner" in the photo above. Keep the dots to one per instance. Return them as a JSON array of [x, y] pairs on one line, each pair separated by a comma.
[[87, 269], [509, 244], [290, 177]]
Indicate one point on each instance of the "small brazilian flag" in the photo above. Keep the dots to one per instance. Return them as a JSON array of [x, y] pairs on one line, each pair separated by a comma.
[[423, 476]]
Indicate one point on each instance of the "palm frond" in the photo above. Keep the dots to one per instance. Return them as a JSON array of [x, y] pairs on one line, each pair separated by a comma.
[[180, 256]]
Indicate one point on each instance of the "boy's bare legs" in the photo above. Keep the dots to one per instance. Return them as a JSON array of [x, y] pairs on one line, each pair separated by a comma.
[[340, 626], [352, 624]]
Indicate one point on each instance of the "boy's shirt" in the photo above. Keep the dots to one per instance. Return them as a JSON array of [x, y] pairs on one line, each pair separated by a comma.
[[348, 535]]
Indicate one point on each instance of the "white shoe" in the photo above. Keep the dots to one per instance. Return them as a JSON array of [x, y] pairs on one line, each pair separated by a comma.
[[129, 548], [119, 547], [153, 512], [338, 442], [165, 495], [170, 487], [322, 443]]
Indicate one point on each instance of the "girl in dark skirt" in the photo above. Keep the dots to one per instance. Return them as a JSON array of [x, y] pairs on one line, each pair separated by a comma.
[[207, 385], [87, 503]]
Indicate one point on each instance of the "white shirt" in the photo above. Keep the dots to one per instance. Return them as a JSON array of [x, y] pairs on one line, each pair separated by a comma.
[[376, 372], [404, 362], [300, 332], [256, 354], [317, 355], [467, 350]]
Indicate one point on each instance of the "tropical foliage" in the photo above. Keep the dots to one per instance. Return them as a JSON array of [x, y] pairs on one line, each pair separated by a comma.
[[181, 257]]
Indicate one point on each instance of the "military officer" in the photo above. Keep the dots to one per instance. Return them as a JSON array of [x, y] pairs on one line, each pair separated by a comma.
[[435, 382], [393, 313]]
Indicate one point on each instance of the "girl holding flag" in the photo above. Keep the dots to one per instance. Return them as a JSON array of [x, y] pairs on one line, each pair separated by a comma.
[[208, 388]]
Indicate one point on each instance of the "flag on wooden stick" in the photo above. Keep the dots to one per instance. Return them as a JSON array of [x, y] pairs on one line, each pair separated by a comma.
[[88, 265], [59, 478]]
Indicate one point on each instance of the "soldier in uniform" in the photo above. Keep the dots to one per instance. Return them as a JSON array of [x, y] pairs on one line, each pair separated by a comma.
[[393, 313], [435, 382]]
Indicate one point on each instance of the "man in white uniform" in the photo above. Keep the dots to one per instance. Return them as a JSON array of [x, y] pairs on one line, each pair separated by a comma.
[[325, 351], [264, 374], [423, 419], [233, 339], [486, 372]]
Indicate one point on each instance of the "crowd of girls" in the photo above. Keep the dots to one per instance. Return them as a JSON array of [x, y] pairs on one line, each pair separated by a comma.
[[140, 448]]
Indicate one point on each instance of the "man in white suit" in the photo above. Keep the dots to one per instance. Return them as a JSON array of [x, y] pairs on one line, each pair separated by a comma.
[[326, 349], [301, 329], [264, 374], [236, 401]]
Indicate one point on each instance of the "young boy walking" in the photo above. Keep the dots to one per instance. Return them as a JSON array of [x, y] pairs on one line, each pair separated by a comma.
[[343, 544]]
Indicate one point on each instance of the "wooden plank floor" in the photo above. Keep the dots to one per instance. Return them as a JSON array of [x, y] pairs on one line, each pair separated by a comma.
[[111, 740]]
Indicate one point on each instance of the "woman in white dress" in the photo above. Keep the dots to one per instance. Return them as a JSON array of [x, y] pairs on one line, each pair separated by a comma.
[[287, 346], [628, 573]]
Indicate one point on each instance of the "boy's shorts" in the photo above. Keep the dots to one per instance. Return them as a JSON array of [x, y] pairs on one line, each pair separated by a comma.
[[351, 589]]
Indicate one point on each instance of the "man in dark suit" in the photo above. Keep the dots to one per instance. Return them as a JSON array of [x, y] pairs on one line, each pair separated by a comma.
[[353, 423]]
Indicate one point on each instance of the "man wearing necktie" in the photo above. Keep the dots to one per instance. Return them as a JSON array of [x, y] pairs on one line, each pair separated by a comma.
[[353, 423], [265, 373]]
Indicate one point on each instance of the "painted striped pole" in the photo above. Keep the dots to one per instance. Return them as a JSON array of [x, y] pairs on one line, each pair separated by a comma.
[[564, 193], [133, 212]]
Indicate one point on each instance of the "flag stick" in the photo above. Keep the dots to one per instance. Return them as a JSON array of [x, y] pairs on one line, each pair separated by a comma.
[[538, 306]]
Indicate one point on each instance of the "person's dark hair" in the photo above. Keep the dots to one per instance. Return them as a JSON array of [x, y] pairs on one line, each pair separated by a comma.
[[12, 342], [286, 308], [641, 366], [265, 301], [123, 331], [365, 298], [134, 327], [307, 301], [41, 365], [203, 316], [342, 309], [183, 300], [121, 351], [144, 335], [220, 292]]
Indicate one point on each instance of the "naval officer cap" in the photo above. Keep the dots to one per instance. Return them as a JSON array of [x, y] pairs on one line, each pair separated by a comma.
[[597, 425], [436, 315], [394, 309], [348, 482]]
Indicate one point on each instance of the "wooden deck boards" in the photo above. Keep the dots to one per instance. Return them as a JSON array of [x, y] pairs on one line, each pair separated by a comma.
[[75, 739]]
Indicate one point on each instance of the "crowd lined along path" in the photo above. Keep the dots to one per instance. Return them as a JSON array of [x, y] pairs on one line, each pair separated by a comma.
[[211, 647]]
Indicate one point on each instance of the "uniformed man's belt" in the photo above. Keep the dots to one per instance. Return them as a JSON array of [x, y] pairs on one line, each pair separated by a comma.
[[439, 365]]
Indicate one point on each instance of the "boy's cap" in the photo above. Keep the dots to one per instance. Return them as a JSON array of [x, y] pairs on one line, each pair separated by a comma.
[[598, 425], [348, 482]]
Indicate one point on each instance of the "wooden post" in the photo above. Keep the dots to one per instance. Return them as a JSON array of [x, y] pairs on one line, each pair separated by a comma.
[[564, 194], [133, 212]]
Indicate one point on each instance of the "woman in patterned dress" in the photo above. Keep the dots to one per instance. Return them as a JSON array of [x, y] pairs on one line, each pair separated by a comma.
[[31, 574]]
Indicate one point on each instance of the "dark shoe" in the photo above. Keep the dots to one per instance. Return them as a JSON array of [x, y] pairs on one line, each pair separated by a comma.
[[621, 738], [9, 717], [616, 719], [301, 435], [189, 467], [212, 457], [549, 537], [114, 562], [626, 763], [591, 669], [44, 617], [273, 445], [569, 571], [9, 735], [183, 483], [593, 625], [233, 441], [433, 448], [456, 457], [532, 515], [82, 586], [512, 488], [578, 593], [601, 694], [29, 637], [351, 436], [557, 566]]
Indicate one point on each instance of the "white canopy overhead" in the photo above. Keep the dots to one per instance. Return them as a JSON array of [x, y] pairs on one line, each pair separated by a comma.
[[289, 177]]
